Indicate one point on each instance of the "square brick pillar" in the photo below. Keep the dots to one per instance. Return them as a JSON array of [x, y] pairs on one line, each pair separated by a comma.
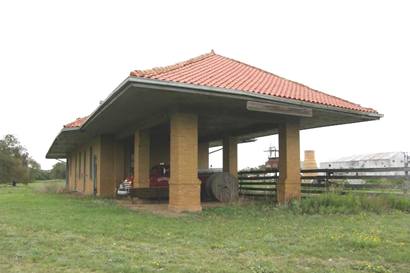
[[230, 155], [203, 155], [289, 184], [141, 159], [184, 185]]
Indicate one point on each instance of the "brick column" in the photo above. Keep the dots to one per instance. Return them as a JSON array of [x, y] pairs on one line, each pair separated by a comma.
[[184, 185], [289, 184], [203, 155], [141, 159], [230, 155]]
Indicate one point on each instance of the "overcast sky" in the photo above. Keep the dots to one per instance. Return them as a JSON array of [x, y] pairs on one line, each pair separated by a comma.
[[58, 59]]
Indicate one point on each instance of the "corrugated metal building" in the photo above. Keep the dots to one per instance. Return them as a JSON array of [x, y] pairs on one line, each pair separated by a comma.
[[374, 160]]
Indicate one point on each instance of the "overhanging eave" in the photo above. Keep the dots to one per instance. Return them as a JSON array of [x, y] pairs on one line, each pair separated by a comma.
[[137, 99]]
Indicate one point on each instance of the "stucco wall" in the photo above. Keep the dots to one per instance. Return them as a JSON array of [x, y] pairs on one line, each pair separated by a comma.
[[110, 159], [159, 149], [109, 155], [80, 172], [203, 155]]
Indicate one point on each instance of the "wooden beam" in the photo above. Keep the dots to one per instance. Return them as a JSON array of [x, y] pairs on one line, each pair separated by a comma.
[[238, 132], [279, 109]]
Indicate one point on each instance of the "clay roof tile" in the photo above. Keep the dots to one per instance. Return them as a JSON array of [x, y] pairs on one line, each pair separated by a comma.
[[217, 71]]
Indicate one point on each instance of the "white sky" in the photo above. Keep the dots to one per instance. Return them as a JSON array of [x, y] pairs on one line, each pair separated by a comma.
[[59, 59]]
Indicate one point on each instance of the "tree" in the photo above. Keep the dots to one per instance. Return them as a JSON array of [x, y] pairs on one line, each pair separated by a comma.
[[16, 164], [12, 147], [36, 173], [14, 160], [58, 171]]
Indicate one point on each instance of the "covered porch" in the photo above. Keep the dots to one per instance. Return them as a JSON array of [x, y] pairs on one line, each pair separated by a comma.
[[172, 116], [182, 142]]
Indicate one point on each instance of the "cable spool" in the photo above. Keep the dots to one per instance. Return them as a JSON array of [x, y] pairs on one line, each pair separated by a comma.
[[223, 187]]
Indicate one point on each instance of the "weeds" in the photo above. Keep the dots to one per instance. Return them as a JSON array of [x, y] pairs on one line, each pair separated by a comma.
[[333, 203]]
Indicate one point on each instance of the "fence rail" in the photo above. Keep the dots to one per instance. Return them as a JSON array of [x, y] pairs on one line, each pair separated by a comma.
[[315, 181]]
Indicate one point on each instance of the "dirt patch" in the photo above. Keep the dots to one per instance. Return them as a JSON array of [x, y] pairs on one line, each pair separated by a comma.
[[159, 207]]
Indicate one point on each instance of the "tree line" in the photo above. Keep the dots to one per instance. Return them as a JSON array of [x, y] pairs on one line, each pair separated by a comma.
[[17, 165]]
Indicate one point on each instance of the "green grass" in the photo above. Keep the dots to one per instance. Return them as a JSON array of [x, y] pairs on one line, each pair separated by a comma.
[[48, 232]]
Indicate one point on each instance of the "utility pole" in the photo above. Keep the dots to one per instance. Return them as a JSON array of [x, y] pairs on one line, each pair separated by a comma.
[[272, 151]]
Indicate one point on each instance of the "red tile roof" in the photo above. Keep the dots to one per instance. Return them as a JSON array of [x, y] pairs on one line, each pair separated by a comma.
[[214, 70], [76, 123]]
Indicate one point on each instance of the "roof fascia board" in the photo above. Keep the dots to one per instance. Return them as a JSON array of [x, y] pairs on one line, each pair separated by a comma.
[[70, 129], [108, 101], [62, 131]]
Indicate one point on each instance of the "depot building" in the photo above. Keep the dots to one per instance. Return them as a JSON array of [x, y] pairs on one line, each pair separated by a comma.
[[172, 115]]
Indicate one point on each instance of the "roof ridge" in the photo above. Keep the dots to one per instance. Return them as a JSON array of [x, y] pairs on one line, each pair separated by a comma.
[[163, 69], [283, 78]]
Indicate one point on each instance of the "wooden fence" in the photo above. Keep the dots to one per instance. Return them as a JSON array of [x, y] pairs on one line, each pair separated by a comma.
[[262, 183]]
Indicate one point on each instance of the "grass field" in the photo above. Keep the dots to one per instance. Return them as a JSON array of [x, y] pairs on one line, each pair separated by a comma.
[[49, 232]]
